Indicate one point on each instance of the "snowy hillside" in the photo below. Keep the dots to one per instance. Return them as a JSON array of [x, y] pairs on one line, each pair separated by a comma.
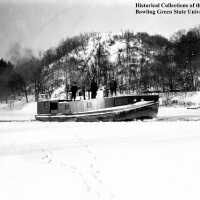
[[113, 45]]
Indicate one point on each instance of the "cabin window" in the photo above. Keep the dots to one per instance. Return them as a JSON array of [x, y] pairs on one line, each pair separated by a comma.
[[53, 106]]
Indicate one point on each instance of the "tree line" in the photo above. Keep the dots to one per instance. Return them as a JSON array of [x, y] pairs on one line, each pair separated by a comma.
[[145, 63]]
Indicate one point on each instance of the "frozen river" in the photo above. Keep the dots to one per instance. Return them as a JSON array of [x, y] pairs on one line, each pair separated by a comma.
[[156, 159], [134, 160]]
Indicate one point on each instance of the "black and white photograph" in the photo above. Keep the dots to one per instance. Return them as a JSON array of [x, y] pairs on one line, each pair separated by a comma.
[[99, 100]]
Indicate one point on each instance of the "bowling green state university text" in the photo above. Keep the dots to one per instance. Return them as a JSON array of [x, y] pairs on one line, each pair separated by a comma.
[[167, 11]]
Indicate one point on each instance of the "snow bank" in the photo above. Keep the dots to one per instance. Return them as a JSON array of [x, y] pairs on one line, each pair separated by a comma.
[[193, 97], [30, 108], [180, 98], [26, 113], [16, 104]]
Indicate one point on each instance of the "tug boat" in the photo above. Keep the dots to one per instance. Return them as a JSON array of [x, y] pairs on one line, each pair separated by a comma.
[[119, 108]]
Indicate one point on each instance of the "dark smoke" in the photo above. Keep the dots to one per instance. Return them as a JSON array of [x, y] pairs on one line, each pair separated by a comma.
[[18, 54]]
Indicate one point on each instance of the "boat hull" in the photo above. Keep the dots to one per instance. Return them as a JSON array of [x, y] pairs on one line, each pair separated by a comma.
[[143, 110]]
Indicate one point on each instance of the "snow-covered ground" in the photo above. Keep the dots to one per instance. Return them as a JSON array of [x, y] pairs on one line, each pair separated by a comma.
[[135, 160], [154, 159], [26, 113]]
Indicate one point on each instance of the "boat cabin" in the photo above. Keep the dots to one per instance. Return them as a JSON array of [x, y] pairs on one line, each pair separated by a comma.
[[67, 107]]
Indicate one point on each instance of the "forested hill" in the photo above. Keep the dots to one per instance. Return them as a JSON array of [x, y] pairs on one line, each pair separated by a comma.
[[138, 61]]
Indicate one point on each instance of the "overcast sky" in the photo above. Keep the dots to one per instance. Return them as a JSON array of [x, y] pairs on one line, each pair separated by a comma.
[[40, 24]]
